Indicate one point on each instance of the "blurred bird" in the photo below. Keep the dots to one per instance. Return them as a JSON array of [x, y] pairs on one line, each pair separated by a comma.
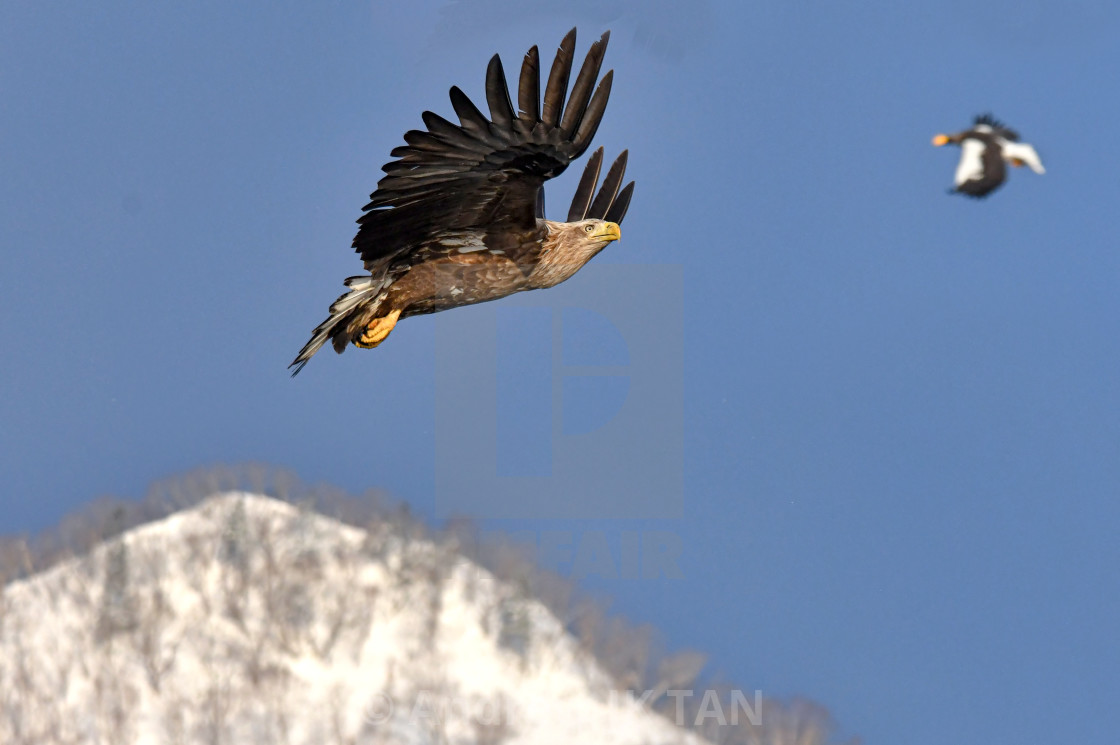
[[459, 216], [984, 150]]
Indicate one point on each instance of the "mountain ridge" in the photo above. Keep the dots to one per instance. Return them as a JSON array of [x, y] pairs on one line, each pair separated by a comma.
[[244, 618], [216, 624]]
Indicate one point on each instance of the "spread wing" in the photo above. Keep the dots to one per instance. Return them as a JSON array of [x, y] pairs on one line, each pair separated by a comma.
[[611, 202], [485, 174], [999, 129], [1021, 151]]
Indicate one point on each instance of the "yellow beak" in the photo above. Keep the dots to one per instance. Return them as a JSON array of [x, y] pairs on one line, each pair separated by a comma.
[[609, 232], [940, 140]]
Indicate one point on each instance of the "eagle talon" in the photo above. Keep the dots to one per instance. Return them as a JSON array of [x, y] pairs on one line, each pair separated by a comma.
[[377, 330]]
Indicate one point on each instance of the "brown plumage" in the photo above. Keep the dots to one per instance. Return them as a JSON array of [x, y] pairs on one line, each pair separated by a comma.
[[458, 217]]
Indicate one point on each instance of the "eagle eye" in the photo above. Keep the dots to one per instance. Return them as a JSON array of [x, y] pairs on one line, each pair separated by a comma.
[[588, 228]]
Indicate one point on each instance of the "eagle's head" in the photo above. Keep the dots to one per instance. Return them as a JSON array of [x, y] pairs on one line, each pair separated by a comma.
[[585, 238], [569, 246], [597, 231]]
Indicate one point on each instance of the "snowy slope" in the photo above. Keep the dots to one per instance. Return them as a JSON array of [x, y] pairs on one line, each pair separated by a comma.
[[248, 620]]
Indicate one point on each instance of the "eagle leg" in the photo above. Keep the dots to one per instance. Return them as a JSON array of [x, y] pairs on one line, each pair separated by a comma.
[[377, 330]]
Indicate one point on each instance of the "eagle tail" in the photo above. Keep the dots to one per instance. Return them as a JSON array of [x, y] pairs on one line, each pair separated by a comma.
[[364, 292]]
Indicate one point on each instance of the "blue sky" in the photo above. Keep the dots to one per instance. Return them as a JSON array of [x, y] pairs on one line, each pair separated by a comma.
[[889, 419]]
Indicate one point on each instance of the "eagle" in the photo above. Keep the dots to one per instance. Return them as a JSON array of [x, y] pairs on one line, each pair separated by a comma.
[[458, 217], [984, 150]]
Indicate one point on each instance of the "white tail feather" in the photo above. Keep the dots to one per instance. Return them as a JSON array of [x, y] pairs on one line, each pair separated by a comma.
[[363, 291], [1023, 152]]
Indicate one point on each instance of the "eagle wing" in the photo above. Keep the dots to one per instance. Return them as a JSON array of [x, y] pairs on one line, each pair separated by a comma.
[[981, 167], [485, 175], [1023, 152], [999, 129], [611, 203]]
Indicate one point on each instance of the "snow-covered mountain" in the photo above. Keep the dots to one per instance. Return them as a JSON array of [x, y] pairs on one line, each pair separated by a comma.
[[248, 620]]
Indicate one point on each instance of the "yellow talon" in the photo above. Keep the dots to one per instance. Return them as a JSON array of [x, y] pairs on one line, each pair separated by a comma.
[[377, 330]]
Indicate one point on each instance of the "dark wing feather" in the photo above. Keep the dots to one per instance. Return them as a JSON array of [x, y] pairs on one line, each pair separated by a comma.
[[586, 189], [1008, 134], [497, 95], [594, 114], [611, 202], [998, 127], [585, 81], [993, 174], [621, 203], [529, 91], [471, 120], [486, 174], [609, 189], [557, 86]]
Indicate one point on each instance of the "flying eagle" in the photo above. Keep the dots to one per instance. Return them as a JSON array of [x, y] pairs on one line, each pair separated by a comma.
[[458, 217], [984, 150]]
